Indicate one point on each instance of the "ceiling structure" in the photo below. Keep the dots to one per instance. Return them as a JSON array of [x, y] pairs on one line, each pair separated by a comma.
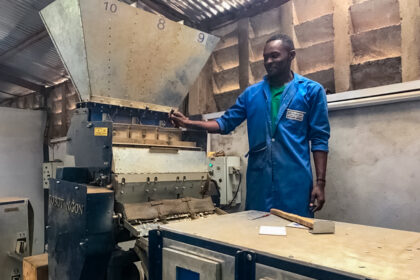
[[28, 59]]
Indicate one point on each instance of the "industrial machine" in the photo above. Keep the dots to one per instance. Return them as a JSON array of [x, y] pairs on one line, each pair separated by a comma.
[[224, 171], [16, 231], [132, 170]]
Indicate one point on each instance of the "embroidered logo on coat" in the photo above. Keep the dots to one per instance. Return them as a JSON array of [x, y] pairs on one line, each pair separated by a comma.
[[295, 115]]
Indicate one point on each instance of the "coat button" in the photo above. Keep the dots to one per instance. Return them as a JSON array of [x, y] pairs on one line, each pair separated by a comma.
[[273, 140]]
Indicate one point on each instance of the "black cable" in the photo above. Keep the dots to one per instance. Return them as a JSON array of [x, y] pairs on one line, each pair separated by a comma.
[[217, 186], [215, 196], [236, 193]]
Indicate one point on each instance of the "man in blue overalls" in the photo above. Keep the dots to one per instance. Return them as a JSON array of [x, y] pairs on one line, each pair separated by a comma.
[[286, 116]]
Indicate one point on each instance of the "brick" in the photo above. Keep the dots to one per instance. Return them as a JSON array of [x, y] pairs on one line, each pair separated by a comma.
[[312, 9], [374, 14], [258, 71], [265, 23], [316, 57], [377, 44], [257, 48], [227, 40], [376, 73], [315, 31], [226, 80], [226, 58], [225, 100], [324, 77]]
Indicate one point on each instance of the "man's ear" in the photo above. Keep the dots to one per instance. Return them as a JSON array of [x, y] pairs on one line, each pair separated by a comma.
[[292, 54]]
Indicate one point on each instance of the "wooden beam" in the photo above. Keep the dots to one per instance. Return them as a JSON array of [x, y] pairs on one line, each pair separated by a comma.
[[342, 45], [410, 38], [243, 50], [4, 76], [35, 267], [63, 88]]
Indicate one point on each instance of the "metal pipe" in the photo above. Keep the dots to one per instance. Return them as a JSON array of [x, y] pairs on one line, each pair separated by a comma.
[[374, 100]]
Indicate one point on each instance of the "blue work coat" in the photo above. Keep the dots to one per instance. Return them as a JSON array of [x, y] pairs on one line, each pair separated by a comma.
[[279, 171]]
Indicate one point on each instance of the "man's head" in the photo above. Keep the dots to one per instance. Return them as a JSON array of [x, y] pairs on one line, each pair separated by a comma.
[[279, 51]]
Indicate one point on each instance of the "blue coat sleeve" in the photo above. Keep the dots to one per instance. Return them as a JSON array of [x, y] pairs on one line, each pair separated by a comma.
[[319, 126], [234, 116]]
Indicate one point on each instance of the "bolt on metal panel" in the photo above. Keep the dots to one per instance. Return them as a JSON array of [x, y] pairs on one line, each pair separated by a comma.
[[128, 160], [130, 55]]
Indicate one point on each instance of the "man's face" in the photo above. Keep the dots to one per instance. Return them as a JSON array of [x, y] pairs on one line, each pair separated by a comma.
[[277, 58]]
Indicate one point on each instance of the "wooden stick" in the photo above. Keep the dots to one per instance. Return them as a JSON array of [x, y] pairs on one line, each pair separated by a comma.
[[308, 222]]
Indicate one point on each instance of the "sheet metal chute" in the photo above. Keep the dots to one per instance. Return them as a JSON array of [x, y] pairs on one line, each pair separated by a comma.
[[118, 54]]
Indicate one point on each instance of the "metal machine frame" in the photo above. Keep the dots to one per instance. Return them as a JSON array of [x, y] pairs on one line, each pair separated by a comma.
[[88, 211], [245, 260]]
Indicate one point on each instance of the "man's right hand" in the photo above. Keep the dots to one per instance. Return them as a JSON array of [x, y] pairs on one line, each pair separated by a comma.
[[178, 119]]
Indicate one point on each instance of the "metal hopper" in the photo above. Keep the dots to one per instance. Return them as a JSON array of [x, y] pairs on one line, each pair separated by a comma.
[[121, 55]]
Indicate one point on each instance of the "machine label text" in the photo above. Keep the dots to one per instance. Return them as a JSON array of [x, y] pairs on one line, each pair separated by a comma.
[[101, 131], [110, 7], [70, 206]]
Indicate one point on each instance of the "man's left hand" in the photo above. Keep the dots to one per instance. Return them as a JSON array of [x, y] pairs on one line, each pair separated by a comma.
[[317, 196]]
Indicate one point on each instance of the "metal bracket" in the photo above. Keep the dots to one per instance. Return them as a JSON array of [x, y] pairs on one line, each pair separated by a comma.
[[245, 265], [155, 254]]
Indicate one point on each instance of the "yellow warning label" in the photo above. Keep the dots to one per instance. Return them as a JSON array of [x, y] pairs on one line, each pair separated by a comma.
[[101, 131]]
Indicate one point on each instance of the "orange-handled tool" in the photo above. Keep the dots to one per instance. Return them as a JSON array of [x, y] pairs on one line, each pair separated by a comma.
[[316, 226]]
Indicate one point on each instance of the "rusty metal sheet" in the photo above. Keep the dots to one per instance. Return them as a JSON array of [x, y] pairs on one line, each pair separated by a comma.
[[197, 205], [130, 54], [142, 211], [167, 208]]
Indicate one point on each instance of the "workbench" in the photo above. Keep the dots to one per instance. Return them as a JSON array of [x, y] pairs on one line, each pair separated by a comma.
[[371, 252]]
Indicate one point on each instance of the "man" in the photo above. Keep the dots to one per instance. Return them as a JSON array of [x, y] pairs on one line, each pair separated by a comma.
[[284, 113]]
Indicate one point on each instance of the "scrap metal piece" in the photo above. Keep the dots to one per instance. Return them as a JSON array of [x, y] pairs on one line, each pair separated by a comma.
[[197, 205], [168, 208], [323, 226]]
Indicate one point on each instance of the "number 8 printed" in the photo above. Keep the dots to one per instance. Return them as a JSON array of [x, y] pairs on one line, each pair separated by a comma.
[[161, 24]]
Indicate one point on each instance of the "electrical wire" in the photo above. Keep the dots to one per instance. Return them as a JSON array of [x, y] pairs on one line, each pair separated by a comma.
[[217, 186], [236, 193]]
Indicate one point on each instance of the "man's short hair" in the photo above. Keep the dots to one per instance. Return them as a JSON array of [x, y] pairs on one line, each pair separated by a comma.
[[286, 40]]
